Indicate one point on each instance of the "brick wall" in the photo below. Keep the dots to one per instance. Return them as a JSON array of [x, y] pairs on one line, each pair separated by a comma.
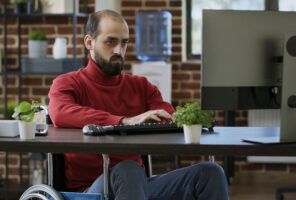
[[185, 83]]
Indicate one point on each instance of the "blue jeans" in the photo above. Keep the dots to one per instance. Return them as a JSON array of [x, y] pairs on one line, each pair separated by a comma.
[[205, 181]]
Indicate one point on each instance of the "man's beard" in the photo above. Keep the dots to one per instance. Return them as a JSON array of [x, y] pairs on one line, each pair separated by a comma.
[[112, 67]]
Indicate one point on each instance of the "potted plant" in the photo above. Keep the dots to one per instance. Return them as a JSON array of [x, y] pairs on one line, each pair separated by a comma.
[[192, 118], [20, 6], [25, 113], [37, 44]]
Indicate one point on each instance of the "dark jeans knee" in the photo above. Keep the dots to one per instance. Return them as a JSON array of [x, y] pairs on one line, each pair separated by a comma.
[[128, 179], [213, 174], [128, 168], [212, 169]]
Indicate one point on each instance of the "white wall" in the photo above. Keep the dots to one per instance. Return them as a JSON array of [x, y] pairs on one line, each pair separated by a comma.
[[108, 4]]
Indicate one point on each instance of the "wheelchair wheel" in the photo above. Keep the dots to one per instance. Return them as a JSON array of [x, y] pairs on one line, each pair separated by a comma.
[[42, 192]]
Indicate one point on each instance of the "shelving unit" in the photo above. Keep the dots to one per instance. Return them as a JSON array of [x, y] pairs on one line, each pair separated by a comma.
[[5, 72], [5, 190]]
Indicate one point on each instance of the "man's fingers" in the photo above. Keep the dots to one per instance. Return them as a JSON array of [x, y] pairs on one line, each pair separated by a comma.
[[163, 114], [152, 115], [155, 118]]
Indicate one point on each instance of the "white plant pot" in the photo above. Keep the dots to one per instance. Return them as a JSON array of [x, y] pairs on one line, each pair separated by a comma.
[[37, 49], [27, 130], [192, 133], [59, 49]]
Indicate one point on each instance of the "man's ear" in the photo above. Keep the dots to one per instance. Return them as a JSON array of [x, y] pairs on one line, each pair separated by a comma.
[[88, 42]]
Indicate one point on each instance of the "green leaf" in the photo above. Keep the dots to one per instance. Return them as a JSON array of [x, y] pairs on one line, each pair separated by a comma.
[[191, 113], [24, 106], [28, 117], [25, 111]]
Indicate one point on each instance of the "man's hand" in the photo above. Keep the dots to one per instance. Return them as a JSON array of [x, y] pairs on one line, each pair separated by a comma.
[[151, 115]]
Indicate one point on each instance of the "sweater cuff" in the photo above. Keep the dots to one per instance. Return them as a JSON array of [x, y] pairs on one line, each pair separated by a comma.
[[116, 120]]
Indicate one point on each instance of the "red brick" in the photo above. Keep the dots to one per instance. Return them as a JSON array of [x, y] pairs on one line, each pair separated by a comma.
[[177, 22], [155, 4], [47, 30], [176, 12], [12, 181], [177, 40], [48, 80], [128, 13], [64, 30], [176, 3], [180, 76], [175, 66], [130, 22], [292, 168], [40, 91], [30, 98], [241, 123], [176, 49], [134, 3], [130, 49], [82, 20], [32, 20], [191, 66], [10, 41], [177, 30], [196, 94], [253, 167], [57, 20], [130, 57], [11, 61], [196, 76], [190, 85], [181, 95], [32, 81], [79, 51], [175, 86], [276, 167], [176, 58], [11, 80], [14, 91], [13, 160]]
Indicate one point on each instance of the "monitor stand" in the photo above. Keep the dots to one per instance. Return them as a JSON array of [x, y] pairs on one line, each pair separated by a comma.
[[288, 102]]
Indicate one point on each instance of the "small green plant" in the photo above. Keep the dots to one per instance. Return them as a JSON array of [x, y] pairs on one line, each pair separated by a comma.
[[190, 114], [37, 35], [25, 111]]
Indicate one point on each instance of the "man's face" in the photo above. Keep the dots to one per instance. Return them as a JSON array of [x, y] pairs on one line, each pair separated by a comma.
[[108, 48]]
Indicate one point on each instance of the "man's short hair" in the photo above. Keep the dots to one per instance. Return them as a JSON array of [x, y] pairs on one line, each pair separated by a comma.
[[93, 22]]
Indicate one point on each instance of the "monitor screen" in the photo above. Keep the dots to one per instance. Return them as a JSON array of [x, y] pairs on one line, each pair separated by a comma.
[[242, 58]]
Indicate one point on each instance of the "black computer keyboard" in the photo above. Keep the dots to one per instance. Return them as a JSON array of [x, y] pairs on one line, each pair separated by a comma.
[[96, 130], [151, 128]]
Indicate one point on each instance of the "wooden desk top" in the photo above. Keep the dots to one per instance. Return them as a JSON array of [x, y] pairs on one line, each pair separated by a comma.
[[225, 141]]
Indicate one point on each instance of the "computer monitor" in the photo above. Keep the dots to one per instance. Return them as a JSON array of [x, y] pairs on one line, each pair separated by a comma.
[[248, 62]]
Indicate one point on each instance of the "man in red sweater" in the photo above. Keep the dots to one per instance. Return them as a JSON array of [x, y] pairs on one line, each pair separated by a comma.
[[101, 94]]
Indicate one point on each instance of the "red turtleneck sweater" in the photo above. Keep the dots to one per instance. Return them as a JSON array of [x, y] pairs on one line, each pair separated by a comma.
[[88, 96]]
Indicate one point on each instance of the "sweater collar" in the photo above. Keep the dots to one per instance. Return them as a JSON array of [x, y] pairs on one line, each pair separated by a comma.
[[94, 72]]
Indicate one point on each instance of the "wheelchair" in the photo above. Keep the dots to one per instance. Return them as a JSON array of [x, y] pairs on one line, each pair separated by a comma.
[[56, 181]]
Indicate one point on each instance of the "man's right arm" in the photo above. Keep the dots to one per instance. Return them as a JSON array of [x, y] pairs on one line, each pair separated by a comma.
[[65, 109]]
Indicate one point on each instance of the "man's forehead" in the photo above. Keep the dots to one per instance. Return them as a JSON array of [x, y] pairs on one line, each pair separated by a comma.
[[112, 23]]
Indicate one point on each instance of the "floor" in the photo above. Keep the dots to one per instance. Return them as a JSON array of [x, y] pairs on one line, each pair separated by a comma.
[[261, 186]]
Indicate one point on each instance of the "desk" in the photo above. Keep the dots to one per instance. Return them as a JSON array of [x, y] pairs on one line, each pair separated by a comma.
[[225, 141]]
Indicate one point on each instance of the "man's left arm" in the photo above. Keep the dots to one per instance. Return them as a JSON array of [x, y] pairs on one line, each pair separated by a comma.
[[155, 100]]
